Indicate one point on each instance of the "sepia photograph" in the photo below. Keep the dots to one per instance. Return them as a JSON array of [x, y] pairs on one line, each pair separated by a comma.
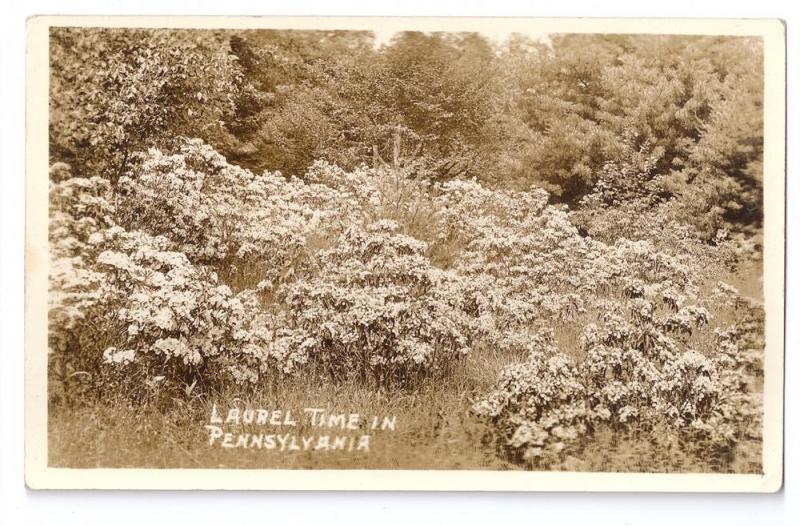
[[407, 247]]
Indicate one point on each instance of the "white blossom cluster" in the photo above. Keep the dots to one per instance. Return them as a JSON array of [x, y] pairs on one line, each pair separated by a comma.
[[638, 371], [377, 306]]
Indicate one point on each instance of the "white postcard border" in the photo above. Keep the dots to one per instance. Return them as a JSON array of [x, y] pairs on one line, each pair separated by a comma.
[[40, 476]]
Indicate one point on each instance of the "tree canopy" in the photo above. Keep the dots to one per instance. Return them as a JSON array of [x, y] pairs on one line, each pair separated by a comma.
[[553, 113]]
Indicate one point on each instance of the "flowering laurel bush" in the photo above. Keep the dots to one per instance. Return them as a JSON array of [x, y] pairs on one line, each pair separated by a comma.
[[150, 300], [79, 208], [377, 306], [220, 214], [191, 274], [637, 373]]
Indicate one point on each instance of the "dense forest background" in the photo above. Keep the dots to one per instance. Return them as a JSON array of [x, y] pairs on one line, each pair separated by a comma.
[[562, 113]]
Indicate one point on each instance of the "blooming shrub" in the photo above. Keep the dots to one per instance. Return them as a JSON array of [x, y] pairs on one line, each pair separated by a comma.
[[144, 298], [79, 207], [377, 308], [168, 309], [539, 406], [248, 227], [637, 374]]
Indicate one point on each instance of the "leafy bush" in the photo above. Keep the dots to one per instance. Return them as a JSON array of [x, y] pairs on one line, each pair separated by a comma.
[[114, 92], [638, 374], [79, 208], [377, 308]]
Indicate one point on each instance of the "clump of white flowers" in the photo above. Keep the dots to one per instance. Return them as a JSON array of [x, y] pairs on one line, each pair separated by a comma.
[[377, 308], [79, 208], [637, 373], [540, 406]]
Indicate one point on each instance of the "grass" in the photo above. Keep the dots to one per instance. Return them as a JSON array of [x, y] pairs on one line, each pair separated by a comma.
[[435, 429]]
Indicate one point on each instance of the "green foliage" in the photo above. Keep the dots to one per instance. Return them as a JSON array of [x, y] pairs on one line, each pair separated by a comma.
[[424, 102], [117, 91]]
